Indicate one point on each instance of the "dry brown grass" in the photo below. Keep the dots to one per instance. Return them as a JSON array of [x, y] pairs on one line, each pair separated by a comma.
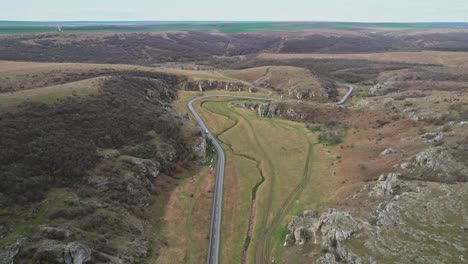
[[366, 140], [28, 75], [186, 221]]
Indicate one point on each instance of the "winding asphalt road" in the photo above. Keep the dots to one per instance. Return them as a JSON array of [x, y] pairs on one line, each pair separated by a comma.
[[345, 97], [216, 214], [215, 229]]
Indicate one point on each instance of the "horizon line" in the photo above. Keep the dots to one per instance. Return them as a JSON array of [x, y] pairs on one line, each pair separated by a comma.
[[237, 21]]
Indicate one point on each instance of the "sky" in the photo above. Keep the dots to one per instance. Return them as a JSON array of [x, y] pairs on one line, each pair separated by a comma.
[[237, 10]]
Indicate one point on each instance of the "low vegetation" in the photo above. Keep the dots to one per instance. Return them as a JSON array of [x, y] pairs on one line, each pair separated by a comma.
[[56, 144], [146, 48], [90, 166]]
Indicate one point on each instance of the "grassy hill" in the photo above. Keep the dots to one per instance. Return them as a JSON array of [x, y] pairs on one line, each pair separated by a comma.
[[84, 160], [289, 81]]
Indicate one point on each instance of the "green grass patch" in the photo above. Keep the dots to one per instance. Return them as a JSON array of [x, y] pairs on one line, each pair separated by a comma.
[[50, 94], [280, 146]]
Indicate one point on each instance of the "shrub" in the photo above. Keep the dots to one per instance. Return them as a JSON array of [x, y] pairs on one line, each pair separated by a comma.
[[330, 138], [42, 146]]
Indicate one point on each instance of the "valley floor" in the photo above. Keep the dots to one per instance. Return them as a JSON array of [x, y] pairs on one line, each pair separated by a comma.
[[273, 169]]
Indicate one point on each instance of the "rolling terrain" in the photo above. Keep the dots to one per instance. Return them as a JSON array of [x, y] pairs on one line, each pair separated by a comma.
[[101, 160]]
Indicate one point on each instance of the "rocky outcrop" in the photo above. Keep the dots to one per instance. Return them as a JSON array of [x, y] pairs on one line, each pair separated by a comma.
[[52, 251], [389, 151], [433, 137], [262, 109], [208, 85], [296, 112], [387, 213], [273, 109], [268, 110], [438, 164], [303, 228], [77, 253], [199, 148], [387, 185], [422, 223], [419, 215], [249, 105], [405, 165], [303, 94], [139, 184], [8, 254], [329, 231], [147, 167]]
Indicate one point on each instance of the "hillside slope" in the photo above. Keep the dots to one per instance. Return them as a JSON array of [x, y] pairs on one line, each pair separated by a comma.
[[79, 173], [292, 82]]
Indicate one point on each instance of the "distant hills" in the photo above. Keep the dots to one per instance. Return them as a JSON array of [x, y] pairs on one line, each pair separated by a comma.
[[25, 27]]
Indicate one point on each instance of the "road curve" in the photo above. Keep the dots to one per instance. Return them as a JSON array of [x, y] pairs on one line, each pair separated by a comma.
[[345, 97], [216, 214]]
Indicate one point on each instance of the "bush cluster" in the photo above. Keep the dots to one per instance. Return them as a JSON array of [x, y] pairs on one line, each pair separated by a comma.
[[42, 146]]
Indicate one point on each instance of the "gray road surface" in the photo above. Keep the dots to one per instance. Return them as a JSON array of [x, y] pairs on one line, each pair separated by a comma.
[[345, 97]]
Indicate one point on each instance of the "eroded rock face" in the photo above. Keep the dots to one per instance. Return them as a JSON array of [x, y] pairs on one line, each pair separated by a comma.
[[138, 183], [272, 110], [328, 231], [288, 111], [302, 94], [77, 253], [387, 213], [268, 110], [338, 225], [303, 228], [248, 105], [7, 255], [437, 164], [387, 185], [52, 251], [146, 167], [207, 85]]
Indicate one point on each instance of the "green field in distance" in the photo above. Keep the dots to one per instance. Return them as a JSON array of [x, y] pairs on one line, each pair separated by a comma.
[[27, 27]]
